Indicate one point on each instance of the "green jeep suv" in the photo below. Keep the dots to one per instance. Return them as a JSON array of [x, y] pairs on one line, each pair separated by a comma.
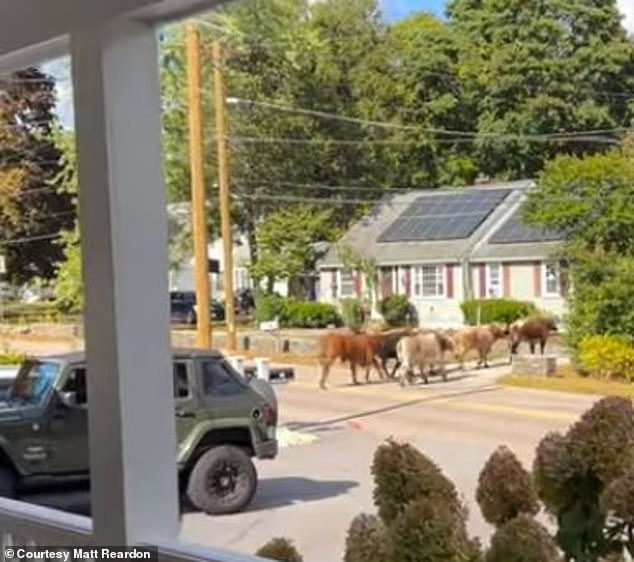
[[223, 420]]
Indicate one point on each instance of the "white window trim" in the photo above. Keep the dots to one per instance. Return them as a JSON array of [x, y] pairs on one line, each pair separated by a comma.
[[340, 294], [487, 287], [418, 269], [545, 292]]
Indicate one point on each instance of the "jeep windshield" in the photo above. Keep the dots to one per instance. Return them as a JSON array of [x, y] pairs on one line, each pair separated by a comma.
[[33, 381]]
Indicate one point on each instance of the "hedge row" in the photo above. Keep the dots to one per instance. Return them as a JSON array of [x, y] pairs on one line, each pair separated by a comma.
[[293, 313], [489, 311]]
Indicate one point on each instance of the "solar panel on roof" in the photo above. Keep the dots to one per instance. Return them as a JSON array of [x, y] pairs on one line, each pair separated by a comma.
[[447, 216], [514, 231]]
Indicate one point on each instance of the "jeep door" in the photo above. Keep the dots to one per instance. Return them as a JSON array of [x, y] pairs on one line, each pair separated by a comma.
[[68, 425], [24, 420], [184, 400]]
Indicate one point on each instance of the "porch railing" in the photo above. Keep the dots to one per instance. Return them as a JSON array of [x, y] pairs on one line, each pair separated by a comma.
[[23, 524]]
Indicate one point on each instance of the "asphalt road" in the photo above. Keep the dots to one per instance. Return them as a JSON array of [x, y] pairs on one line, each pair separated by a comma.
[[317, 485], [321, 478]]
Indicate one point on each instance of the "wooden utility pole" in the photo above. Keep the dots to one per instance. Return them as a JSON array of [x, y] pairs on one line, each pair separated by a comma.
[[223, 192], [199, 222]]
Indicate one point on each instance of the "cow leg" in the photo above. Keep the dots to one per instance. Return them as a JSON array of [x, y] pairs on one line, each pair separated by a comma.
[[532, 346], [542, 345], [325, 371], [443, 371], [353, 372], [384, 366], [377, 366], [423, 374], [396, 367]]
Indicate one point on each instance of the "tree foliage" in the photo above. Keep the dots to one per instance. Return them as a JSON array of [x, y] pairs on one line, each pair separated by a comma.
[[287, 241], [32, 212], [542, 67]]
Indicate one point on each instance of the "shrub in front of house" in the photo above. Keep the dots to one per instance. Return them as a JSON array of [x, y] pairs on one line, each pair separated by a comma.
[[300, 314], [491, 311], [397, 311], [352, 312], [268, 307], [280, 549], [606, 357]]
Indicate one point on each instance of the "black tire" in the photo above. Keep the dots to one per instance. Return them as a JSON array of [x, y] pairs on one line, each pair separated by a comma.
[[8, 483], [223, 480]]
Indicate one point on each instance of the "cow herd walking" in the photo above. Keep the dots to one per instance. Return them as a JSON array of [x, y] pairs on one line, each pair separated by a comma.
[[424, 352]]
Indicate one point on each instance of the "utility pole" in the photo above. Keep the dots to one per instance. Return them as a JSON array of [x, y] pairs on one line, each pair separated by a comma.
[[199, 222], [223, 192]]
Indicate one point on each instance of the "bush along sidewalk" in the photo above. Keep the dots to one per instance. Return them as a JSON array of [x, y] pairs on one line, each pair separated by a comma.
[[584, 479]]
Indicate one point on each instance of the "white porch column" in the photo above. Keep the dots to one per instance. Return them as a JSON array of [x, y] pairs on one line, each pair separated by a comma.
[[124, 248]]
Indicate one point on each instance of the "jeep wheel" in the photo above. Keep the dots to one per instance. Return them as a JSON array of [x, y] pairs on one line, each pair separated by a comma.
[[8, 483], [222, 481]]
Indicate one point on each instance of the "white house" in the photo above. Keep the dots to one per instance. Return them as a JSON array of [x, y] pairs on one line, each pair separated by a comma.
[[182, 275], [441, 247]]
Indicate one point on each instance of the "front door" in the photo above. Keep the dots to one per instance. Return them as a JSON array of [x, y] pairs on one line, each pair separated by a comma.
[[68, 425]]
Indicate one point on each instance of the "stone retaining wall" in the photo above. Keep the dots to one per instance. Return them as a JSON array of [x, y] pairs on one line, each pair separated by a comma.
[[534, 365]]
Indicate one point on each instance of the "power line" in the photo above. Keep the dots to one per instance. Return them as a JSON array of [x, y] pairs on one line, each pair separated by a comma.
[[393, 142], [391, 125], [381, 200]]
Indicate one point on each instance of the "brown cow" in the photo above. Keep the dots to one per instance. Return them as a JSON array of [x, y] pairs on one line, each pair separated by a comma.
[[355, 349], [478, 338], [532, 330]]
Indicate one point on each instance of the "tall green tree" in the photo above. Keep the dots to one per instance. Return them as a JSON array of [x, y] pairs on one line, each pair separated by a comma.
[[413, 79], [286, 242], [543, 67], [292, 54], [32, 211]]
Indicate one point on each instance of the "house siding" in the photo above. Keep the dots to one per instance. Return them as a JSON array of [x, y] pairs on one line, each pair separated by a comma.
[[442, 311]]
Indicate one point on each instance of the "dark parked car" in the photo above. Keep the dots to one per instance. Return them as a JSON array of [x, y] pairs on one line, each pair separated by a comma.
[[183, 308]]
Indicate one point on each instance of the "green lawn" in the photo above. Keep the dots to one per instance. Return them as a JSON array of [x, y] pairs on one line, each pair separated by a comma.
[[568, 380]]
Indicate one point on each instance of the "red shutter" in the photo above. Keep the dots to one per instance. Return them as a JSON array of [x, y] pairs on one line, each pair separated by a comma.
[[483, 280], [358, 282], [537, 278], [506, 280], [449, 280]]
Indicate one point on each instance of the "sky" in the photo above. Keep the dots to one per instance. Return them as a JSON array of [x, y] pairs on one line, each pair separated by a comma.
[[392, 10]]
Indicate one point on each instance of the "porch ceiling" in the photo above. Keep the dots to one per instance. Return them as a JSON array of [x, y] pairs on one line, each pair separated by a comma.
[[35, 30]]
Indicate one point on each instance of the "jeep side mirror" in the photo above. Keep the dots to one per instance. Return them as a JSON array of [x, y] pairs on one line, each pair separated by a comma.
[[68, 399]]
